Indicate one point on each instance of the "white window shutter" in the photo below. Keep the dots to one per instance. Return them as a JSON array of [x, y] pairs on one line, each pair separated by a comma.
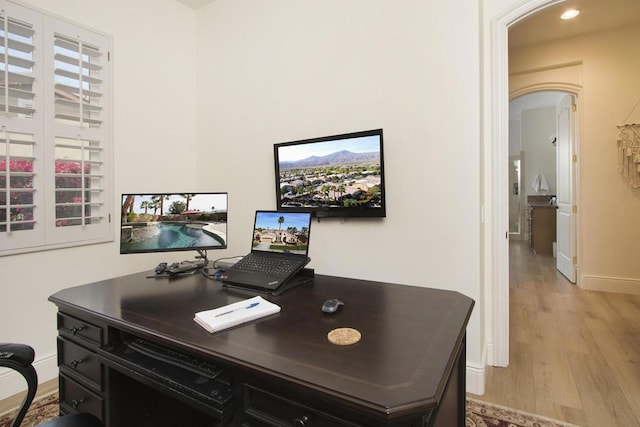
[[79, 153], [55, 132], [21, 131]]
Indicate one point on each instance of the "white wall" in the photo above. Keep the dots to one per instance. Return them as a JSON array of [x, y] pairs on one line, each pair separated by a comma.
[[530, 126], [254, 73], [284, 70], [515, 134], [540, 155], [608, 79], [532, 120], [155, 149]]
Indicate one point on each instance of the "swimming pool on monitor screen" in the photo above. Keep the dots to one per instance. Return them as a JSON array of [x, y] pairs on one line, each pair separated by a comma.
[[173, 235]]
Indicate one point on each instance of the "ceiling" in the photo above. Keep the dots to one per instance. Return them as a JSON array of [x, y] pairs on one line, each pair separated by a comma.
[[195, 4], [595, 15], [545, 26]]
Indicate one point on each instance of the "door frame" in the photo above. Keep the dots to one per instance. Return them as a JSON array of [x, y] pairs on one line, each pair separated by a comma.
[[498, 352]]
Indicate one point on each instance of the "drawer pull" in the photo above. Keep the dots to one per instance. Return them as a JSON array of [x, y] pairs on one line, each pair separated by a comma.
[[301, 422], [75, 403], [75, 363], [75, 330]]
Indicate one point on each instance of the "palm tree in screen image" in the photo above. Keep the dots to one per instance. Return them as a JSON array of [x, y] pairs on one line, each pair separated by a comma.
[[280, 222], [187, 198], [154, 205], [127, 205], [145, 205], [159, 199]]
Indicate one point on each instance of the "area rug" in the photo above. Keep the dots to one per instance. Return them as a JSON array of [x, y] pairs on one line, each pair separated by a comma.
[[42, 409], [479, 414], [483, 414]]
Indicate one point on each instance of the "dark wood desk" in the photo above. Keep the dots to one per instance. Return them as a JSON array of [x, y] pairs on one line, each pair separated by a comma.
[[408, 369]]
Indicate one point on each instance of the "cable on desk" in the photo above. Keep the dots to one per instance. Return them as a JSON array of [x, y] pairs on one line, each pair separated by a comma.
[[206, 270]]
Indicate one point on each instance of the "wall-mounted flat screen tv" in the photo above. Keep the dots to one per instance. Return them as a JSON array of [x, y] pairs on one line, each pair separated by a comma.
[[164, 222], [332, 176]]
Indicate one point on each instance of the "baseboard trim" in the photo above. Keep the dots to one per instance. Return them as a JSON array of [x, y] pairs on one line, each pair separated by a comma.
[[12, 383], [610, 284], [475, 374], [475, 377]]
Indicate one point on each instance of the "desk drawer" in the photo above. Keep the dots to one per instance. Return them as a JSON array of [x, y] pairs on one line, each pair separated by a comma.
[[79, 331], [80, 363], [269, 409], [76, 398]]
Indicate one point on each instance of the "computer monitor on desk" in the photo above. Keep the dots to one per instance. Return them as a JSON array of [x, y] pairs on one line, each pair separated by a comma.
[[171, 222]]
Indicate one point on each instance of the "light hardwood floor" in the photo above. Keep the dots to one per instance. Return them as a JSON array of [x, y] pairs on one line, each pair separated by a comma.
[[574, 354], [14, 401]]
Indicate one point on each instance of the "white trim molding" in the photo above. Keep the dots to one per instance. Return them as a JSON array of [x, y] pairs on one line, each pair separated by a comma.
[[475, 379], [476, 374], [618, 285], [498, 154], [12, 383]]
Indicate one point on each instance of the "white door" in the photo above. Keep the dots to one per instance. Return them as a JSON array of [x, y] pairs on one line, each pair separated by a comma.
[[565, 217]]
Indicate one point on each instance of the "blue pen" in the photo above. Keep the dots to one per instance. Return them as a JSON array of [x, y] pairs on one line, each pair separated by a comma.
[[238, 309]]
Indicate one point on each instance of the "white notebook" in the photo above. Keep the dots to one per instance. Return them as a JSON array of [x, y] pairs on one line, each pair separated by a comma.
[[236, 313]]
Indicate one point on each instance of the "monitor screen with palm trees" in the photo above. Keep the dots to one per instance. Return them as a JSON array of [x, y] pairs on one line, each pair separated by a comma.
[[162, 222]]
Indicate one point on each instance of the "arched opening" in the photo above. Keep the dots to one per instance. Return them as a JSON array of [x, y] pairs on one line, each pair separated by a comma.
[[543, 136], [498, 354]]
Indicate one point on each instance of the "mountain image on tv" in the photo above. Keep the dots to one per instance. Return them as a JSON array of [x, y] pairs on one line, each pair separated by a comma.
[[343, 157], [314, 175]]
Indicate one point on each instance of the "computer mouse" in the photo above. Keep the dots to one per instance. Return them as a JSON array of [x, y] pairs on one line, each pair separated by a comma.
[[330, 306]]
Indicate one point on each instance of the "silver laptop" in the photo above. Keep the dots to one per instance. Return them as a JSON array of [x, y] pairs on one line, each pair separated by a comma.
[[279, 250]]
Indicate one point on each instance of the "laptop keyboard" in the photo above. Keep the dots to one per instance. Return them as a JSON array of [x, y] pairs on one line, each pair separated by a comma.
[[273, 266]]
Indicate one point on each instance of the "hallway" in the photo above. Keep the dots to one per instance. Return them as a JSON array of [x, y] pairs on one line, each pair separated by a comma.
[[574, 354]]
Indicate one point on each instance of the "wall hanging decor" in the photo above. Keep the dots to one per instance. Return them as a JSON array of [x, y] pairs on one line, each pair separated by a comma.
[[629, 150], [629, 153]]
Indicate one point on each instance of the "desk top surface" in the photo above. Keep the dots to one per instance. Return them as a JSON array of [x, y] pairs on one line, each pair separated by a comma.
[[410, 335]]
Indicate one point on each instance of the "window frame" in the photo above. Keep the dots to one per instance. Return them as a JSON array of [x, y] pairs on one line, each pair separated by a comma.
[[95, 190]]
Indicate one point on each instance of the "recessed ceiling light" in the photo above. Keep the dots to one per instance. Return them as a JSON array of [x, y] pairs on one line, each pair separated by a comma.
[[569, 14]]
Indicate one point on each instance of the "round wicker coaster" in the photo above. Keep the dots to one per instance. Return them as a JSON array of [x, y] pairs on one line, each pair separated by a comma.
[[344, 336]]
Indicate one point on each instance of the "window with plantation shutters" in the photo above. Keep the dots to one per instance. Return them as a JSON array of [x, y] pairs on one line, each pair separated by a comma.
[[17, 203], [78, 67], [17, 79], [77, 96], [55, 165]]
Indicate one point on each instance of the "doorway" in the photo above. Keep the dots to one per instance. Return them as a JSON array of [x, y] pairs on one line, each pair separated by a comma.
[[542, 125], [499, 237]]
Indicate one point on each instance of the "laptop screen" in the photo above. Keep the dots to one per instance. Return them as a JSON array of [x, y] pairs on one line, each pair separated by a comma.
[[281, 232]]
